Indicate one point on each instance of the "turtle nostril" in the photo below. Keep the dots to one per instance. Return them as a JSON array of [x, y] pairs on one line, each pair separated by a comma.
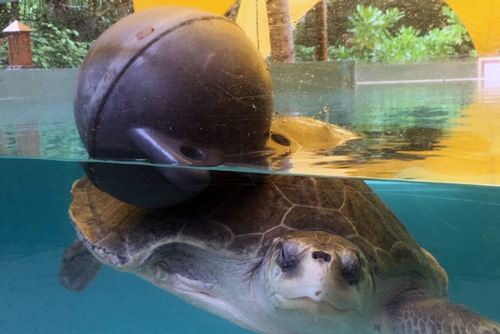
[[350, 267], [322, 256]]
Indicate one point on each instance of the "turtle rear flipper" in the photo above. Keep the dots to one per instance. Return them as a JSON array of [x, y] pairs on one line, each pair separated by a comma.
[[432, 316], [78, 267]]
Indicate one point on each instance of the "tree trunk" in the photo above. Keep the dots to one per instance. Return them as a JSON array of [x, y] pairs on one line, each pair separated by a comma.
[[321, 31], [280, 31]]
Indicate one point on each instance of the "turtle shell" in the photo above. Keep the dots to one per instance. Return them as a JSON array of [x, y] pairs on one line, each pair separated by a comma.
[[239, 216]]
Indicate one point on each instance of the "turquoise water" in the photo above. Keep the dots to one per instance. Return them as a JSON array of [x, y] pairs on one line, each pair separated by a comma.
[[458, 224]]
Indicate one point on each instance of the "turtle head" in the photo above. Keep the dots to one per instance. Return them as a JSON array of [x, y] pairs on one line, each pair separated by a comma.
[[318, 274]]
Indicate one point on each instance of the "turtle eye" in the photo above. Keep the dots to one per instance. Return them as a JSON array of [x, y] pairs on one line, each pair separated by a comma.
[[288, 257], [350, 267], [160, 270]]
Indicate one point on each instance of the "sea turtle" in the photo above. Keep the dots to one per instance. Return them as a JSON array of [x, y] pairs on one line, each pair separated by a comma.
[[276, 254]]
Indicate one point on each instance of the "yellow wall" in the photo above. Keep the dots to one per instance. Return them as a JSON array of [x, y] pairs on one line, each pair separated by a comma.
[[214, 6]]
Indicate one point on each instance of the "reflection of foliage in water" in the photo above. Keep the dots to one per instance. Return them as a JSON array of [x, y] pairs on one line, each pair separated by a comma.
[[7, 142], [380, 108], [61, 140], [394, 133], [396, 107], [396, 122], [389, 145], [58, 140]]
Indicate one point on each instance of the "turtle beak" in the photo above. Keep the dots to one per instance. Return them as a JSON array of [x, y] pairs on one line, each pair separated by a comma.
[[330, 282], [325, 280], [322, 281]]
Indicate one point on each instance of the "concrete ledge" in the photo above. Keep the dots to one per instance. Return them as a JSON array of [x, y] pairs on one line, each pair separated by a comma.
[[287, 77], [454, 70], [312, 76], [37, 83]]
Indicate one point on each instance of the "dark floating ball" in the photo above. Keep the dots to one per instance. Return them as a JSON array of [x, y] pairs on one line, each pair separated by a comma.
[[170, 86]]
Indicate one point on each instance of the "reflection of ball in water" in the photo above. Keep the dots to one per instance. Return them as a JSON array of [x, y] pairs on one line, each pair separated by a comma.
[[491, 235]]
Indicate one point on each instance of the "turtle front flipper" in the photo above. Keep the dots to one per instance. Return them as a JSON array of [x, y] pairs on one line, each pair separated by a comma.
[[78, 267], [435, 316]]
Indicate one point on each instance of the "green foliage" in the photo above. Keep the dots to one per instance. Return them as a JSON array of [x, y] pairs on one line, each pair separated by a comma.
[[4, 53], [64, 30], [56, 47], [422, 15], [89, 17], [370, 27], [373, 40], [304, 53], [52, 47], [341, 52]]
